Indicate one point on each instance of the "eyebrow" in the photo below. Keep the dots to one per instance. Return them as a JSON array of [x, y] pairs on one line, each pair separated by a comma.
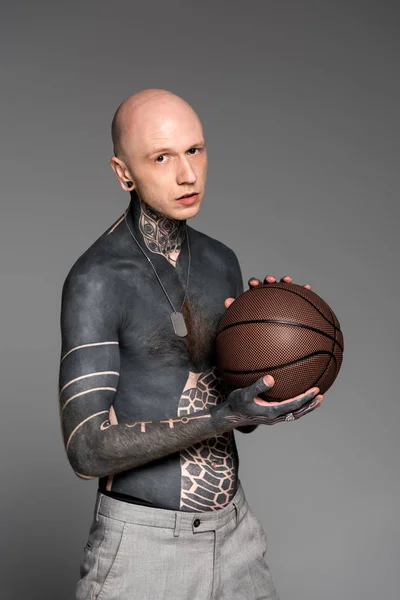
[[159, 150]]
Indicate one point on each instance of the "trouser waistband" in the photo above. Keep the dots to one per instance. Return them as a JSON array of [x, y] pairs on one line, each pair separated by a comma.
[[174, 519]]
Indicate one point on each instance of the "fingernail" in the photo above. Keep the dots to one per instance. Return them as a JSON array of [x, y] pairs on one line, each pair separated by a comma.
[[269, 380]]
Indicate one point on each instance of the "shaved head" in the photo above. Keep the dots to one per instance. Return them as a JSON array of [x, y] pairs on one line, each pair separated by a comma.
[[159, 150], [126, 124]]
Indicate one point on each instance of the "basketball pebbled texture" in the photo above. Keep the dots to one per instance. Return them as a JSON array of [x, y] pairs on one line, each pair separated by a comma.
[[282, 329]]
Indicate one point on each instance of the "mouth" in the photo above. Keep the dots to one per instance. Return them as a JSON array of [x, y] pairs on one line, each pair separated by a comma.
[[189, 195], [188, 198]]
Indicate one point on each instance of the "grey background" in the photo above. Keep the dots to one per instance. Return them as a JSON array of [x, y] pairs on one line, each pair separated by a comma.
[[299, 102]]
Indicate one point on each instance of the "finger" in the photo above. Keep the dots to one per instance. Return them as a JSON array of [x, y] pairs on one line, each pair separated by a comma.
[[269, 279], [286, 279], [307, 286], [228, 302], [308, 407], [293, 404], [301, 398], [261, 385], [253, 282], [299, 401], [316, 402], [260, 401]]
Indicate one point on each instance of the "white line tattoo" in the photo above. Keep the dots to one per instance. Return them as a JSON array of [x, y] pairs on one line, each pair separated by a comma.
[[80, 425], [86, 346], [84, 476], [118, 222], [88, 375], [111, 389]]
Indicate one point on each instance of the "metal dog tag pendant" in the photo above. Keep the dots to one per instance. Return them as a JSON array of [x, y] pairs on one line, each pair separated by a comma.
[[178, 323]]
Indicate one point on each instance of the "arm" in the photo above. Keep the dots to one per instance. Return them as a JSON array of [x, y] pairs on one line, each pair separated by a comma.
[[88, 381], [240, 290]]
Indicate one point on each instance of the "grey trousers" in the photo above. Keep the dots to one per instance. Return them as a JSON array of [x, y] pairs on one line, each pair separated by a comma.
[[140, 552]]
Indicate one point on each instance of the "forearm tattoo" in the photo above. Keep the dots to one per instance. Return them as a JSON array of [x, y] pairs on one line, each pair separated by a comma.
[[96, 443]]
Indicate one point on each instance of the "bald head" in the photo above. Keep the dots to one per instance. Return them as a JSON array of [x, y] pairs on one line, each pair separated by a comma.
[[160, 151], [135, 114]]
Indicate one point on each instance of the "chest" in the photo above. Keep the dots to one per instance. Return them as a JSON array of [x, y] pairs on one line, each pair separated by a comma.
[[147, 334]]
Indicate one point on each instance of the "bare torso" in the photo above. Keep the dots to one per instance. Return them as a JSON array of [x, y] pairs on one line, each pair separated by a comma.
[[160, 375]]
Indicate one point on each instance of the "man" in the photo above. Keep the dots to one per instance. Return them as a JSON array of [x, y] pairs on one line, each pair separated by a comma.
[[142, 404]]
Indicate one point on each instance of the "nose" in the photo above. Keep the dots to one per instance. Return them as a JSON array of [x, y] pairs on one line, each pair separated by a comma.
[[185, 172]]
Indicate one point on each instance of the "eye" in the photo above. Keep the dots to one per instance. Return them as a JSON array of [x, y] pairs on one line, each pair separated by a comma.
[[190, 150]]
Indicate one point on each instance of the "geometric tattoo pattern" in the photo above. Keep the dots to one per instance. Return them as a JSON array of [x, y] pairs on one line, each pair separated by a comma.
[[208, 468], [161, 234]]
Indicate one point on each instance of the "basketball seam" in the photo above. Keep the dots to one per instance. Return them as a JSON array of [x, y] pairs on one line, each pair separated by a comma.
[[281, 322], [329, 361], [312, 304], [276, 368], [276, 287]]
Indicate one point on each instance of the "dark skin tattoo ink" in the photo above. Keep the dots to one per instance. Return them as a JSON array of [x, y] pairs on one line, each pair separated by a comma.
[[140, 407]]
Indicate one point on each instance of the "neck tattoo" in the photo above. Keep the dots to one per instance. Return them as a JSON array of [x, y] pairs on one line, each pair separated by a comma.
[[161, 234]]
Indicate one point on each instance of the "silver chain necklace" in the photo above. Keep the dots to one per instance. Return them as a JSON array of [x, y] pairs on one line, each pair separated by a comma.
[[178, 322]]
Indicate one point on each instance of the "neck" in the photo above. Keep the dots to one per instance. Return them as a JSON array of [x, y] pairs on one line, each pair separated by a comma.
[[160, 234]]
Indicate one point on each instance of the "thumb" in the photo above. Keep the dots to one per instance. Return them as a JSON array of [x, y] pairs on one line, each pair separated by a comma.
[[261, 385]]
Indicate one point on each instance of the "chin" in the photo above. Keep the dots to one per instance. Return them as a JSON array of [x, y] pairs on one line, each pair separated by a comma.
[[185, 212], [188, 212]]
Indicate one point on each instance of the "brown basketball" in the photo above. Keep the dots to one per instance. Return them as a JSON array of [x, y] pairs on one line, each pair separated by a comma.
[[282, 329]]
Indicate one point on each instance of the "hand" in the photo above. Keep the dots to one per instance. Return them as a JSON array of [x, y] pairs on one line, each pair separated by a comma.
[[245, 407], [253, 282], [305, 402]]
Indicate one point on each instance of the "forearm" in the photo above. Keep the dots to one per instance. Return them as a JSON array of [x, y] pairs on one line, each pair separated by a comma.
[[126, 446]]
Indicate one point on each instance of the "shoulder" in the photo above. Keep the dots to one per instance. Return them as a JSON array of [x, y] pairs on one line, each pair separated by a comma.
[[213, 250], [218, 256], [95, 270]]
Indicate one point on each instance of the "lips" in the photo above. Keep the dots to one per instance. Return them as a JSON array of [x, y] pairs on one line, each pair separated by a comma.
[[188, 200], [187, 195]]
